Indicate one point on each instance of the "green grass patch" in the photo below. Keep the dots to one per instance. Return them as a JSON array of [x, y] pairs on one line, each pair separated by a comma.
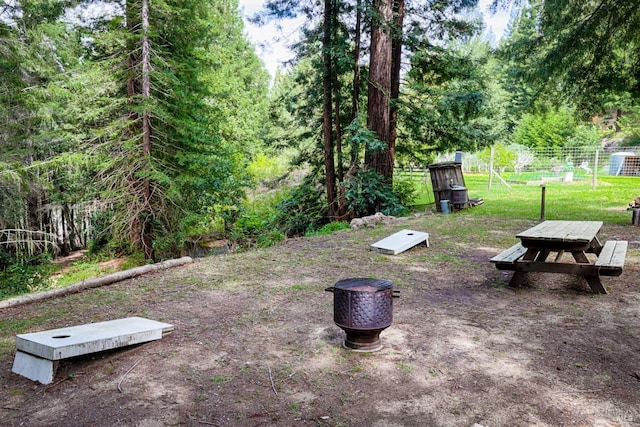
[[80, 271], [15, 326], [329, 228], [221, 379], [577, 200], [91, 267], [299, 287]]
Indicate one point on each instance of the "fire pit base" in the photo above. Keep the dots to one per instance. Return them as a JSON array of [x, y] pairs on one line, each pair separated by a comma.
[[364, 341]]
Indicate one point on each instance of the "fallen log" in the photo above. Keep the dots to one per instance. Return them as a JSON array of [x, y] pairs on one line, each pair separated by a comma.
[[94, 283]]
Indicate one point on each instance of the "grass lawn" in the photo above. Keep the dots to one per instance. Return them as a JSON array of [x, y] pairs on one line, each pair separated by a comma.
[[576, 200]]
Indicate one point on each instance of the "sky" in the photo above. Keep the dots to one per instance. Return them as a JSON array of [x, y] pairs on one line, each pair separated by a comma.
[[271, 42]]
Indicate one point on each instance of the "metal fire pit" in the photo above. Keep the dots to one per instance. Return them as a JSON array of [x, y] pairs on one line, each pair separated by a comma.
[[363, 308]]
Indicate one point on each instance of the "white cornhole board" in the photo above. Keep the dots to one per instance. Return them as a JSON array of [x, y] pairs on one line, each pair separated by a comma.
[[400, 242], [37, 354]]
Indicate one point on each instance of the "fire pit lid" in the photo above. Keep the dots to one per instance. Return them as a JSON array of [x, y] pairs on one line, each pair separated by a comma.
[[363, 285]]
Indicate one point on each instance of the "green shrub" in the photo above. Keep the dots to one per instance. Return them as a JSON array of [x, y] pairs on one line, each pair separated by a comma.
[[254, 226], [405, 189], [265, 167], [99, 235], [368, 192], [18, 279], [303, 209], [269, 238]]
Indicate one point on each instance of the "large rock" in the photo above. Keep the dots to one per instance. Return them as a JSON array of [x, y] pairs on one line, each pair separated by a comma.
[[372, 220]]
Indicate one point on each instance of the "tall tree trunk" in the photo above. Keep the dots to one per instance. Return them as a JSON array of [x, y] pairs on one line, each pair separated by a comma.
[[139, 90], [329, 161], [342, 204], [67, 223], [355, 101], [71, 212], [378, 119], [342, 209], [396, 63], [147, 226]]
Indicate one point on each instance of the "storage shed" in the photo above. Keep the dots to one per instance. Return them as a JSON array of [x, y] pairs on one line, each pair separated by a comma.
[[444, 176]]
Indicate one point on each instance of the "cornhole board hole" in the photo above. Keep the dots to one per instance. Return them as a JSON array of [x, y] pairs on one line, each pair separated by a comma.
[[38, 354], [400, 242]]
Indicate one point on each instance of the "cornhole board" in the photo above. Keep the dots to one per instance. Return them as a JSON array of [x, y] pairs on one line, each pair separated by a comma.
[[400, 242], [38, 354]]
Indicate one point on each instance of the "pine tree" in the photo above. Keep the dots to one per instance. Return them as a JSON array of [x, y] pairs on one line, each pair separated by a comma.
[[178, 161]]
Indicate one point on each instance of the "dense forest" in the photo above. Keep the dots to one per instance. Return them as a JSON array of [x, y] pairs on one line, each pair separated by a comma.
[[144, 127]]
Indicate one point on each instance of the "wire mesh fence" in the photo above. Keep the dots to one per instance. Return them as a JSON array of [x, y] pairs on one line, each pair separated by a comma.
[[552, 162], [527, 165]]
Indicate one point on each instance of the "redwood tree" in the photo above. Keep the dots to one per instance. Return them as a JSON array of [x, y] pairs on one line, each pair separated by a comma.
[[379, 88], [396, 65], [327, 111]]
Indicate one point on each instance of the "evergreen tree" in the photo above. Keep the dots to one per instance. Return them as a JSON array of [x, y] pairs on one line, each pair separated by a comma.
[[517, 62], [452, 101], [545, 128], [158, 103], [587, 51], [39, 54], [591, 48], [186, 163]]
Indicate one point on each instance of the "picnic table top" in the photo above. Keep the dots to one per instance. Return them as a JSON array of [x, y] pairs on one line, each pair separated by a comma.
[[562, 231]]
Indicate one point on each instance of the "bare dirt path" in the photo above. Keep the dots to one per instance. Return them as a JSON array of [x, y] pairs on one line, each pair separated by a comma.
[[255, 345]]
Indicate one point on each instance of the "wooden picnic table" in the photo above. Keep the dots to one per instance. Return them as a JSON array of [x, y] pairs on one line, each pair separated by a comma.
[[577, 238]]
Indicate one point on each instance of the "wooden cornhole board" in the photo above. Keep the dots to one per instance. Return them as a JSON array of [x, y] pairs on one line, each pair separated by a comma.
[[400, 242], [38, 354]]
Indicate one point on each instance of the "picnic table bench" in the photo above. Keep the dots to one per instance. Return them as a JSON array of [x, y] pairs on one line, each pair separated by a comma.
[[577, 238], [506, 260], [611, 258]]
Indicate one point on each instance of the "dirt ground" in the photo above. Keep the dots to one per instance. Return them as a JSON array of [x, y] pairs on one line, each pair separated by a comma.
[[254, 342]]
